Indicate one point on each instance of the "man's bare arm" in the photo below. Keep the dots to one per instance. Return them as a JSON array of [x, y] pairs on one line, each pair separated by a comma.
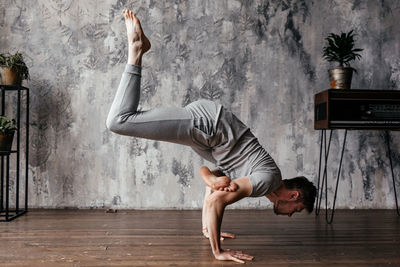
[[216, 203], [217, 173]]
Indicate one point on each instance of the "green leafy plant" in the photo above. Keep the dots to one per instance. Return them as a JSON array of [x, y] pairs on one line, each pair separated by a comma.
[[15, 62], [340, 48], [7, 126]]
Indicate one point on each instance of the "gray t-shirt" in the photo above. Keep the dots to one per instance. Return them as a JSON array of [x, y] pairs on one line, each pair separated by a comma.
[[226, 141]]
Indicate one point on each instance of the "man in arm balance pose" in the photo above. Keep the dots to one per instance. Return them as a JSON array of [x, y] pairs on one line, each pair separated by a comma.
[[245, 169]]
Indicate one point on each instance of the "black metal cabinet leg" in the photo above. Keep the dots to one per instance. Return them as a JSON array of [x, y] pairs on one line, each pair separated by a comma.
[[387, 139], [326, 149], [2, 184], [27, 150], [7, 185], [18, 150], [319, 173], [329, 220], [326, 154]]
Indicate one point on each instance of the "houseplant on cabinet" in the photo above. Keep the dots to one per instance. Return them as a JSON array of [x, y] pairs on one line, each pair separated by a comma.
[[13, 69], [340, 48], [7, 130]]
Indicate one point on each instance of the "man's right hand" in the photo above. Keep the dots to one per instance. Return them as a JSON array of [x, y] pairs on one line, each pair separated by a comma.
[[229, 255]]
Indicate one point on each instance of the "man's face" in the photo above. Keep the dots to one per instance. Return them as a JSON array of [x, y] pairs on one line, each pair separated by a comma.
[[283, 207]]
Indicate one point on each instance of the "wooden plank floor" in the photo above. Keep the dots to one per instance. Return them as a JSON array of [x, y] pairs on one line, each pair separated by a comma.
[[173, 238]]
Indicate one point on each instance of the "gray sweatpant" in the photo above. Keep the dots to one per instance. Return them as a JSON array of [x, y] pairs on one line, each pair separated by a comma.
[[171, 124]]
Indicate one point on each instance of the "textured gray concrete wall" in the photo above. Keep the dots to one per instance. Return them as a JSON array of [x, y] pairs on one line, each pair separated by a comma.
[[262, 59]]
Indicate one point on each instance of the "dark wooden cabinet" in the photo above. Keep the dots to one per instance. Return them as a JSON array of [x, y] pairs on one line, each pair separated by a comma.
[[353, 109]]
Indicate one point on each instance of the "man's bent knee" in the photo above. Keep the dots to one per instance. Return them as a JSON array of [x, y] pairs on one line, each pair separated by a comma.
[[114, 124]]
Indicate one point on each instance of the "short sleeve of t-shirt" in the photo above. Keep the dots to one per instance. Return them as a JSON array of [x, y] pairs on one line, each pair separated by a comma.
[[264, 182]]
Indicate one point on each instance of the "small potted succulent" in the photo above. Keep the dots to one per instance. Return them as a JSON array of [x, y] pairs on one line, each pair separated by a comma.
[[13, 69], [7, 130], [340, 49]]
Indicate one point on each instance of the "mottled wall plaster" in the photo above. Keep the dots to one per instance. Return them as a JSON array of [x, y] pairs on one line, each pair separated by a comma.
[[262, 59]]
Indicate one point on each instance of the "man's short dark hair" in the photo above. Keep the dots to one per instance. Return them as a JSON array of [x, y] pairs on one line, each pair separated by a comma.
[[307, 190]]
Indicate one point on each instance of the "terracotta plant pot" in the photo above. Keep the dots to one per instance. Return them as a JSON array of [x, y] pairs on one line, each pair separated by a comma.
[[10, 76], [340, 77], [6, 141]]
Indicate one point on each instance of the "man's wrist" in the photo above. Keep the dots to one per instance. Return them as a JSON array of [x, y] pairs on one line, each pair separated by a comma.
[[216, 252]]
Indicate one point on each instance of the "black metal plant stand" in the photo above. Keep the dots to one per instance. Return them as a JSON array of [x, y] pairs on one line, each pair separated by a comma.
[[326, 150], [6, 213]]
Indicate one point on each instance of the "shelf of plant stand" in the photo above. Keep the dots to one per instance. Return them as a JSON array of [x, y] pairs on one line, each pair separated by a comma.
[[6, 153], [12, 87]]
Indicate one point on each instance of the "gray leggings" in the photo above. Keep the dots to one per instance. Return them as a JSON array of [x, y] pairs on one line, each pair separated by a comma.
[[170, 124]]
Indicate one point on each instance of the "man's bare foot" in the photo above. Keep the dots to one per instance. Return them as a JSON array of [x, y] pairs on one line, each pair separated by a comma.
[[222, 183], [137, 40]]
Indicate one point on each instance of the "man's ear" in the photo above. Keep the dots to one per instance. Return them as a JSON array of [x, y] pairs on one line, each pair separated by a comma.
[[294, 195]]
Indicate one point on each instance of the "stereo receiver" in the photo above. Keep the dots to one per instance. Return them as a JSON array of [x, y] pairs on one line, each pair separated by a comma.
[[357, 109]]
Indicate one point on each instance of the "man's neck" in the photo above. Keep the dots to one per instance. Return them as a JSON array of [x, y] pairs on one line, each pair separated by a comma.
[[274, 196]]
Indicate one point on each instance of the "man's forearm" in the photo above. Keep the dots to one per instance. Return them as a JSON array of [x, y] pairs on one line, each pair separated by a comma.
[[215, 212]]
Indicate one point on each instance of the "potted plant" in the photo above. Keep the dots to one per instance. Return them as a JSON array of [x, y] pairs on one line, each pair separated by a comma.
[[7, 130], [340, 48], [13, 69]]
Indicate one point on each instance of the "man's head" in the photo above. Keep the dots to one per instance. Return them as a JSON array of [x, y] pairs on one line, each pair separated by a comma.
[[298, 193]]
